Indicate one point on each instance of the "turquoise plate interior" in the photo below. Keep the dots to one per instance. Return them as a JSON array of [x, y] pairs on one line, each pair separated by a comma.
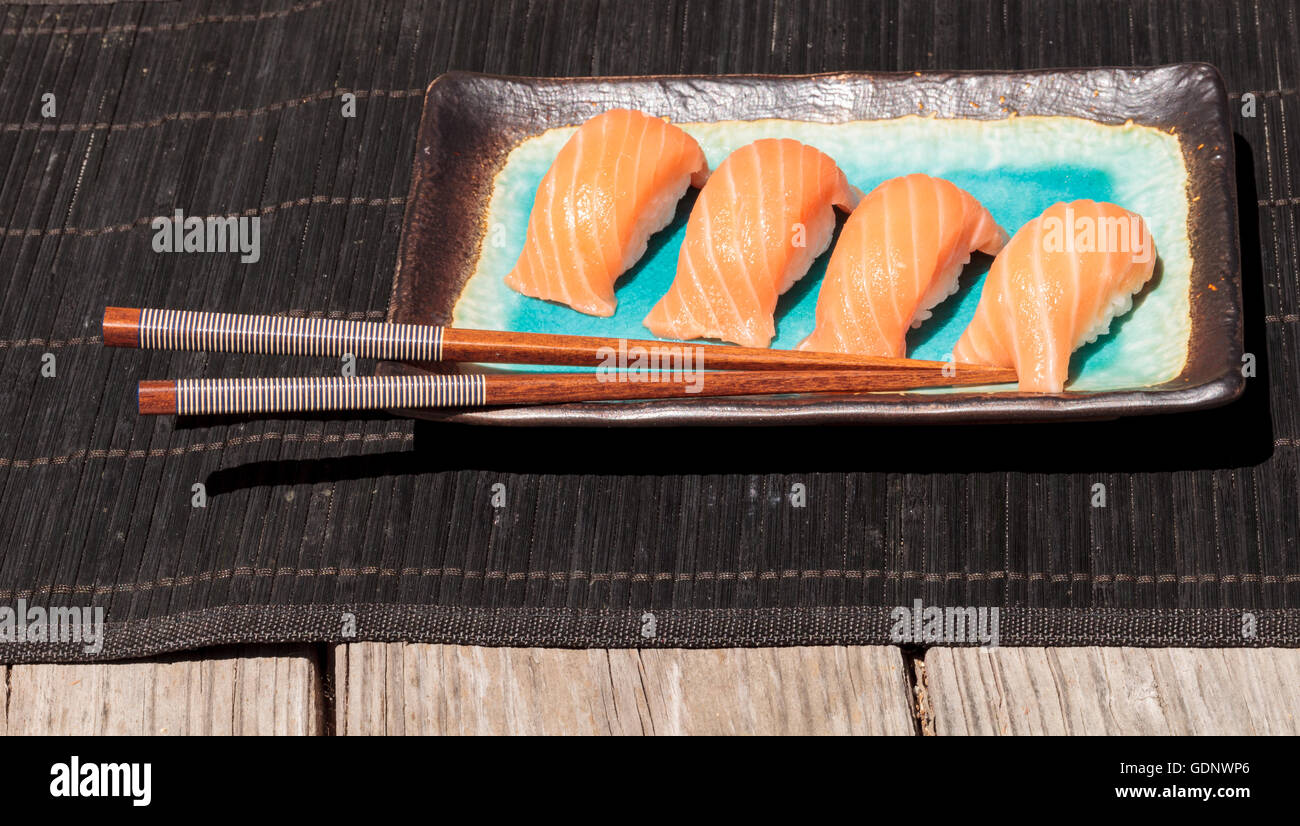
[[1016, 167]]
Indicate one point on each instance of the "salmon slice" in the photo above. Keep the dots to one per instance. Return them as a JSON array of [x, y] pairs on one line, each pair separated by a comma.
[[615, 183], [759, 222], [1055, 287], [899, 254]]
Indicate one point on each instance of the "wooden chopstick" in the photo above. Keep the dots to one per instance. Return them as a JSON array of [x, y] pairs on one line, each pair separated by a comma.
[[313, 394], [234, 333]]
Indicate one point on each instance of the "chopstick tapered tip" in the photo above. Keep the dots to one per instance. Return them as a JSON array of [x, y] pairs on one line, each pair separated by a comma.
[[985, 374]]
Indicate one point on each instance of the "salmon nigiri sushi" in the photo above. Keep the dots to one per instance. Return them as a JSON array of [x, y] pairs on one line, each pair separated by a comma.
[[899, 254], [615, 183], [764, 215], [1055, 287]]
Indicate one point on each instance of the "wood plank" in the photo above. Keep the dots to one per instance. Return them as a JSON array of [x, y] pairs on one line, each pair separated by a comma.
[[392, 688], [238, 691], [803, 690], [1113, 690], [445, 689]]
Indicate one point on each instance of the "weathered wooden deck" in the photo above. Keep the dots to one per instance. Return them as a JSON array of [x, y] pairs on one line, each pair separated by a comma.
[[374, 688]]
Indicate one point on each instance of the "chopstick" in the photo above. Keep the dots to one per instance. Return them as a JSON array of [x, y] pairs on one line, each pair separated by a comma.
[[313, 394], [235, 333]]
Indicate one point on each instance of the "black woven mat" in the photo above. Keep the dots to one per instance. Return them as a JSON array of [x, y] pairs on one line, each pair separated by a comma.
[[378, 528]]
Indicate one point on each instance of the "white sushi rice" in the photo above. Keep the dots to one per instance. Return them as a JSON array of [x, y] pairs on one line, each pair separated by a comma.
[[1118, 306], [944, 286], [656, 215], [818, 231]]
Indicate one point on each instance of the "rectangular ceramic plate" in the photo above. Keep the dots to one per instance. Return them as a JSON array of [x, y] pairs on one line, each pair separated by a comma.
[[1154, 140]]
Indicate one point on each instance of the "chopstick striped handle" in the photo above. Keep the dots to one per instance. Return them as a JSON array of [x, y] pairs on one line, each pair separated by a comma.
[[198, 397], [239, 333]]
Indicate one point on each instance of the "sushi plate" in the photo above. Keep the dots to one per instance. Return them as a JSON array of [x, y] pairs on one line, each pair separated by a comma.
[[1154, 140]]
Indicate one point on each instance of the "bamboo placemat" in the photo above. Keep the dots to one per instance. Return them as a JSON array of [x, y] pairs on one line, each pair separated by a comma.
[[378, 528]]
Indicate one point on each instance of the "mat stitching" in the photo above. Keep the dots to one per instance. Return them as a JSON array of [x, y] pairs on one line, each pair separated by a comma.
[[1269, 93], [52, 343], [200, 447], [165, 27], [235, 441], [216, 114], [636, 577], [313, 200], [292, 103]]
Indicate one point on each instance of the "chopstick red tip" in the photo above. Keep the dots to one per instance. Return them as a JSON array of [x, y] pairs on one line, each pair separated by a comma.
[[121, 327]]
